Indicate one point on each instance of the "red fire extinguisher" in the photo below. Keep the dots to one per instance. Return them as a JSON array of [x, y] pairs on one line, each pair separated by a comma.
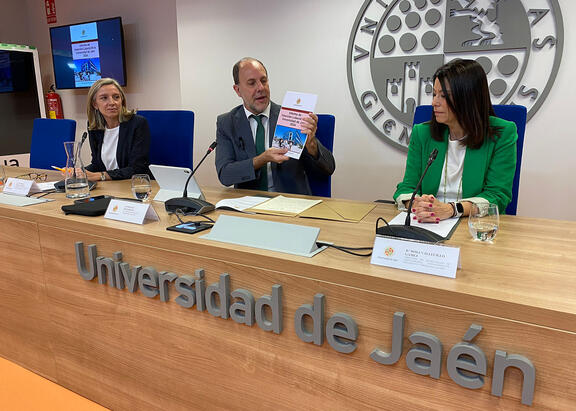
[[54, 104]]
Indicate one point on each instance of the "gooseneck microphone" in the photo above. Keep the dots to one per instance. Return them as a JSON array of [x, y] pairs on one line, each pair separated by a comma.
[[79, 149], [188, 205], [210, 149], [406, 230], [431, 159]]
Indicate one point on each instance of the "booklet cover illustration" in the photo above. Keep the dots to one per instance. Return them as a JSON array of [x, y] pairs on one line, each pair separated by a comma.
[[295, 107]]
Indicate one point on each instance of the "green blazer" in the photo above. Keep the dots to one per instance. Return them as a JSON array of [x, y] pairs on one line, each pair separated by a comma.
[[488, 171]]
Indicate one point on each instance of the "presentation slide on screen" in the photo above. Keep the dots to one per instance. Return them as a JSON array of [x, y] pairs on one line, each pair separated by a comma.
[[85, 54]]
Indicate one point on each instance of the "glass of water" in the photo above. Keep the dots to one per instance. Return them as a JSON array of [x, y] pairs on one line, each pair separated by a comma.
[[483, 222], [75, 178], [141, 187]]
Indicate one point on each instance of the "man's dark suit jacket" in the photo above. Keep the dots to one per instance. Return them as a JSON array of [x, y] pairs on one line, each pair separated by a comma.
[[236, 149], [132, 153]]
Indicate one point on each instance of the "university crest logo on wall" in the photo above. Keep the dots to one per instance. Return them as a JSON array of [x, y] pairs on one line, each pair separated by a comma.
[[396, 46]]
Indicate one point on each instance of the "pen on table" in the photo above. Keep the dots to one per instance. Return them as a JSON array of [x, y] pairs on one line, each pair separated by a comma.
[[62, 170]]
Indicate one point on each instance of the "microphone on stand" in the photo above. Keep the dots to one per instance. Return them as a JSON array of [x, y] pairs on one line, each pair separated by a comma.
[[79, 149], [406, 230], [82, 140], [431, 159], [186, 204]]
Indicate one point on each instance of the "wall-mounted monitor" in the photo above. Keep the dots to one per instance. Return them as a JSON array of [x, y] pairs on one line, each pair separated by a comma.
[[85, 52], [21, 101]]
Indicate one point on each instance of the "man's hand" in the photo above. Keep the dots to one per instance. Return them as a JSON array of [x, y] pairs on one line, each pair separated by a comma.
[[309, 126], [272, 155]]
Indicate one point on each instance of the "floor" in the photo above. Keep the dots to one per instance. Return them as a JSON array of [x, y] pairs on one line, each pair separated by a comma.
[[22, 390]]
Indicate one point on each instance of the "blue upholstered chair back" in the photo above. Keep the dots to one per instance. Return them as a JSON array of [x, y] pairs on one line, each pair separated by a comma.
[[47, 145], [517, 114], [171, 137], [321, 185]]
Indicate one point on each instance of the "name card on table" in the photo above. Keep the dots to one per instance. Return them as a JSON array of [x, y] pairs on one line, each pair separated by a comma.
[[20, 186], [130, 211], [435, 259]]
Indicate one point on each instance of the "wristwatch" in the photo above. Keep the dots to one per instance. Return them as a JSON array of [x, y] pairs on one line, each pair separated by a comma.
[[458, 209], [103, 176]]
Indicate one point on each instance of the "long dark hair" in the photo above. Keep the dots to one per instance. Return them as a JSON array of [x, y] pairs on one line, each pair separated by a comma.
[[469, 100]]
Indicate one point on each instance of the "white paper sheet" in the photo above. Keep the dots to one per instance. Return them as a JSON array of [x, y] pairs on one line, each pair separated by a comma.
[[443, 228], [20, 201], [286, 205], [240, 204]]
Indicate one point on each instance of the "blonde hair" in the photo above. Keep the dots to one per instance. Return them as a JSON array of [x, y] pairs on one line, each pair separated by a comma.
[[96, 120]]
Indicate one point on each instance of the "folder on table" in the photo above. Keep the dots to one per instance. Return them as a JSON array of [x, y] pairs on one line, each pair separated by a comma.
[[338, 211]]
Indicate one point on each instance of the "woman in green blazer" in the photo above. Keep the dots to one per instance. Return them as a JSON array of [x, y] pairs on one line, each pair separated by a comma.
[[476, 151]]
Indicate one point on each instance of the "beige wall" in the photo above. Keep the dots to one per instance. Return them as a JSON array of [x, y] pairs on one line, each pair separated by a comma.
[[151, 50], [202, 39], [302, 52], [14, 22], [213, 35]]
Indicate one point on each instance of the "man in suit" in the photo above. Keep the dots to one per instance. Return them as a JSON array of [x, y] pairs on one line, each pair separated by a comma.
[[244, 156]]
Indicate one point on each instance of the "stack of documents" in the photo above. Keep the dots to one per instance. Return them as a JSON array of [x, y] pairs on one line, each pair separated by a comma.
[[298, 207], [281, 205], [241, 204]]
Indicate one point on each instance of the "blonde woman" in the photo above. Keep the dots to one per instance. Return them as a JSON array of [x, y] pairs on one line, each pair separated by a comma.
[[119, 138]]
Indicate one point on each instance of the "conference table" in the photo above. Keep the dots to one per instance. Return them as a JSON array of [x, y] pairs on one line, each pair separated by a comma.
[[139, 347]]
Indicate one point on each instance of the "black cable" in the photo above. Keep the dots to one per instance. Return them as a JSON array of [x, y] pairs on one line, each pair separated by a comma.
[[347, 249], [385, 222], [42, 193], [46, 193], [179, 213]]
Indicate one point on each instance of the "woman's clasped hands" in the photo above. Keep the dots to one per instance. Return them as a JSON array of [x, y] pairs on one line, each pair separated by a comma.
[[428, 209]]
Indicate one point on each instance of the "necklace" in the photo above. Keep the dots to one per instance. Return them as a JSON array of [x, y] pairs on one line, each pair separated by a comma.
[[456, 139], [446, 176]]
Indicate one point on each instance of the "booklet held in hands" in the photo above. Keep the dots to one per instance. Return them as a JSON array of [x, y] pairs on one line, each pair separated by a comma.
[[295, 107]]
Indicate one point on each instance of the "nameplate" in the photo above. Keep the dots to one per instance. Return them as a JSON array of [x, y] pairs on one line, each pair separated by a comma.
[[130, 211], [267, 235], [435, 259], [20, 187]]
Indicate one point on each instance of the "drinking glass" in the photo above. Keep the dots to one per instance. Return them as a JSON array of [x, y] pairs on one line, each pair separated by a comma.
[[141, 187], [483, 222]]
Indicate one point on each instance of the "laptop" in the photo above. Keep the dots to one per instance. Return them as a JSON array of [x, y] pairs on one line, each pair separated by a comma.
[[171, 181]]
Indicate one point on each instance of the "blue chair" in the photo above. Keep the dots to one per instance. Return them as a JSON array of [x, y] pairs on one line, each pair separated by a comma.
[[514, 113], [171, 137], [321, 185], [47, 145]]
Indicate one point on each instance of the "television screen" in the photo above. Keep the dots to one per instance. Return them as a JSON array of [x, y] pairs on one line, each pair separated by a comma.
[[21, 101], [85, 52]]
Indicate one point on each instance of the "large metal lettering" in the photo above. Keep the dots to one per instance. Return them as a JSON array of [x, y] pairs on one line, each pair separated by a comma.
[[466, 362]]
